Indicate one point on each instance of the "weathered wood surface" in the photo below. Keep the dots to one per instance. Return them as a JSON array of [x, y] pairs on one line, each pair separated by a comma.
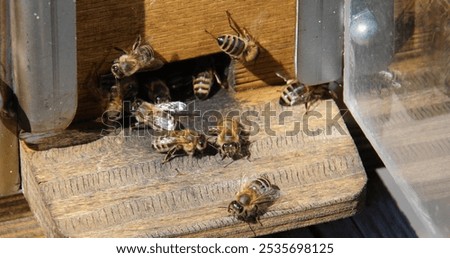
[[176, 30], [117, 187], [379, 216], [16, 219]]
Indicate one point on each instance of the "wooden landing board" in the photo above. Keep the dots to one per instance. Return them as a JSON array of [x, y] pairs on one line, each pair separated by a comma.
[[117, 187]]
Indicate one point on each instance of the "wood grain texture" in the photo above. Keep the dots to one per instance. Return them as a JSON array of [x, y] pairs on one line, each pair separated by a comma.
[[117, 187], [176, 30]]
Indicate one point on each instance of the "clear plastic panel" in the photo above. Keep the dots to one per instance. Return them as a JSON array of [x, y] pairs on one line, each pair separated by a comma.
[[396, 74]]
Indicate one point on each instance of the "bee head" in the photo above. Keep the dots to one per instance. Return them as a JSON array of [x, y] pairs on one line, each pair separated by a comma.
[[115, 69], [235, 207], [202, 142], [230, 149]]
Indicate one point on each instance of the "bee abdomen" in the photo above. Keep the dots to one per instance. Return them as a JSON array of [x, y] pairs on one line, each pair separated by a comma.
[[260, 185], [160, 147], [232, 45], [292, 94], [202, 85]]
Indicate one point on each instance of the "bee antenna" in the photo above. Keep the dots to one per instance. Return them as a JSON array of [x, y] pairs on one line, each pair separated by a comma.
[[229, 164], [282, 76], [120, 50], [214, 37]]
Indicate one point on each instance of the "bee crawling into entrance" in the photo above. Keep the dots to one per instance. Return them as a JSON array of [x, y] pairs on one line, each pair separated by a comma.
[[188, 141], [296, 93], [253, 199], [242, 46], [141, 57]]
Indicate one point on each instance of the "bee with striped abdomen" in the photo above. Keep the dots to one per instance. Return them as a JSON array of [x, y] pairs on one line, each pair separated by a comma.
[[141, 57], [241, 46], [188, 141], [157, 116], [253, 199], [296, 92], [203, 82], [230, 137]]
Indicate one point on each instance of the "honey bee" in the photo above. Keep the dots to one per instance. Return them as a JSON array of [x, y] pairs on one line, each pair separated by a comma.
[[188, 141], [203, 81], [157, 91], [157, 116], [296, 92], [253, 199], [141, 57], [230, 137], [125, 89], [242, 46]]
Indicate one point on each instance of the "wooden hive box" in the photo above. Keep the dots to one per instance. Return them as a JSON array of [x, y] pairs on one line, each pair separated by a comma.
[[116, 186]]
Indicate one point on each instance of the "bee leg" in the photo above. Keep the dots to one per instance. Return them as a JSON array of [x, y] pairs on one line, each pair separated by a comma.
[[233, 24], [257, 216], [170, 154], [250, 226], [137, 43]]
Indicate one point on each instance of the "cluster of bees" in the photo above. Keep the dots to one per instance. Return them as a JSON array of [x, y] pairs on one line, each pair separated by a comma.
[[228, 137]]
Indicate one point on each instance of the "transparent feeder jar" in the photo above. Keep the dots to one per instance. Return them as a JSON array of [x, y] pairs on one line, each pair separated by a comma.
[[396, 76]]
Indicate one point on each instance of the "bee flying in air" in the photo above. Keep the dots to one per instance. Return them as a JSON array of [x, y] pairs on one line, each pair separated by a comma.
[[230, 137], [253, 199], [241, 46], [296, 92], [141, 57], [157, 91], [188, 141], [157, 116]]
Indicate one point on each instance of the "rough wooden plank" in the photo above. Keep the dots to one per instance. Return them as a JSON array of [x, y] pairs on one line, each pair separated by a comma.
[[116, 186], [16, 219]]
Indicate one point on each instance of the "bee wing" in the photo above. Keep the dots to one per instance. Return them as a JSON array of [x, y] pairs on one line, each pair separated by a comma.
[[163, 121], [154, 64], [174, 106], [168, 140], [268, 197]]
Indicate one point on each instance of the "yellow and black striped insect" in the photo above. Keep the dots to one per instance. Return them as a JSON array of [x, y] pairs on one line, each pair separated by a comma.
[[188, 141], [253, 199], [296, 93], [141, 57], [231, 137], [242, 46], [203, 81]]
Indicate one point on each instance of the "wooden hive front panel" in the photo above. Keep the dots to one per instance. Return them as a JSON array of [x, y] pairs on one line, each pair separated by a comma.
[[176, 30]]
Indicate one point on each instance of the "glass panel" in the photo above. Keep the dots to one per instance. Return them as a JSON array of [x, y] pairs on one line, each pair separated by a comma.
[[396, 74]]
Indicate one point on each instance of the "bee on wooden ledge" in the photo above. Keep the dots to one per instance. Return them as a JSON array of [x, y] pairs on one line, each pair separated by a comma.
[[253, 199], [295, 92]]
